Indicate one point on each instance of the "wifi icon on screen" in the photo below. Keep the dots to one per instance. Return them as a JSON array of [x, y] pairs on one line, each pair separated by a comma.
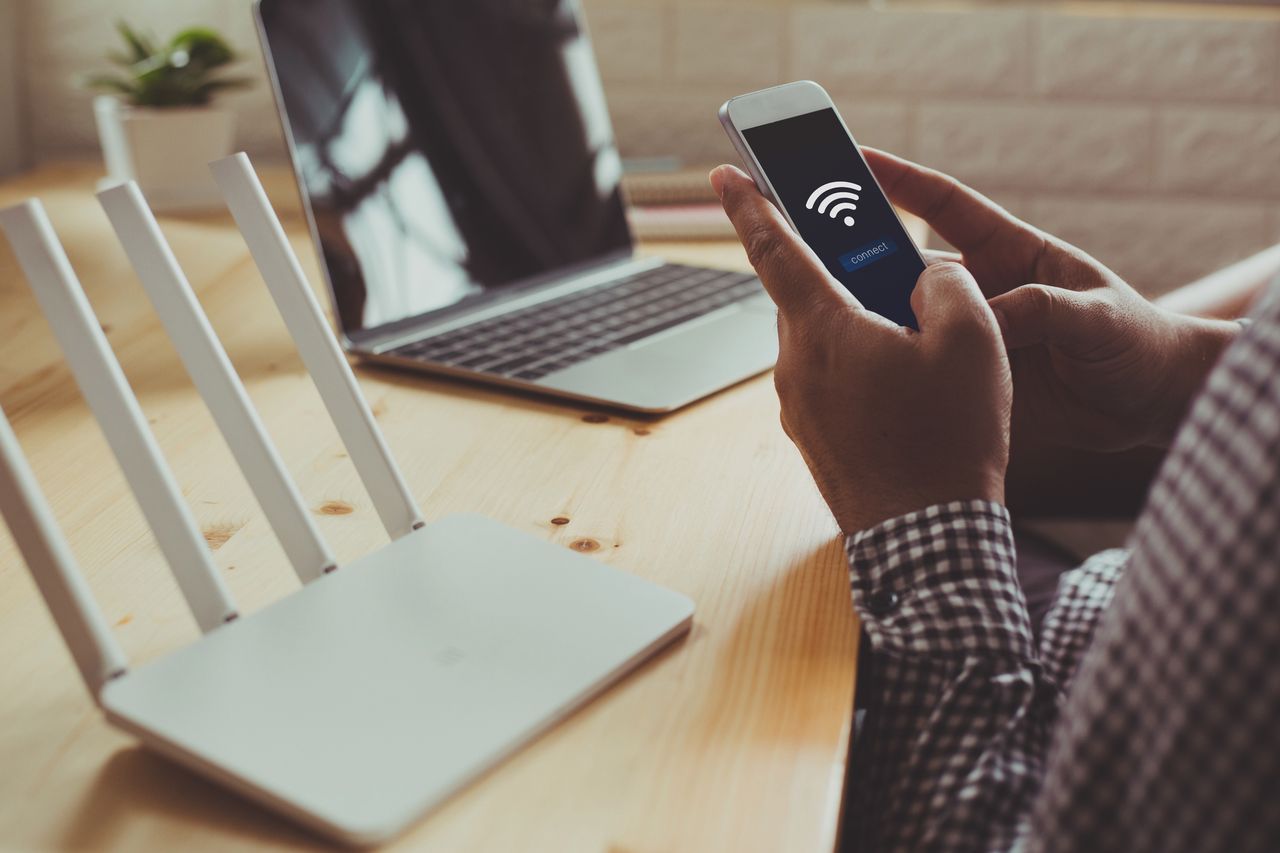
[[834, 198]]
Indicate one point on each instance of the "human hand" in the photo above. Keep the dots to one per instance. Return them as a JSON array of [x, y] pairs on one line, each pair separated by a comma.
[[1095, 365], [888, 420]]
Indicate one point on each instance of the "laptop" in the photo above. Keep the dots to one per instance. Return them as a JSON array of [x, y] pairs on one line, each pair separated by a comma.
[[462, 183]]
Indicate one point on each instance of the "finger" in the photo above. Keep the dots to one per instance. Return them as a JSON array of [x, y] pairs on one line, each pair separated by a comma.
[[963, 217], [792, 274], [946, 296], [1040, 314], [937, 256]]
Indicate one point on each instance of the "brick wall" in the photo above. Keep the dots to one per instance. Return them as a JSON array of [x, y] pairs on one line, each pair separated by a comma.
[[1149, 135]]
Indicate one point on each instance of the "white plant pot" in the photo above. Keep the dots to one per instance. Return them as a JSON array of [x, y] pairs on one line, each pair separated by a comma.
[[167, 151]]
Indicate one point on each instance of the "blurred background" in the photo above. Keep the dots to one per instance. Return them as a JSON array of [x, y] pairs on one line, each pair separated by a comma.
[[1147, 133]]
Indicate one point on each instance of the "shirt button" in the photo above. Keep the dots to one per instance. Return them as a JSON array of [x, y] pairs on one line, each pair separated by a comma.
[[882, 601]]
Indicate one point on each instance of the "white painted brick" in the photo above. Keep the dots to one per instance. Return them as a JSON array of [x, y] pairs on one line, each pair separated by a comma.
[[628, 40], [1233, 57], [257, 123], [921, 50], [1038, 146], [880, 124], [78, 32], [657, 122], [241, 29], [1220, 151], [1157, 244], [729, 44]]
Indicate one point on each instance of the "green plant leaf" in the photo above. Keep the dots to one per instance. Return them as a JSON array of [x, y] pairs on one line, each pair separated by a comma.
[[225, 83], [178, 74], [153, 68], [212, 87], [139, 43], [203, 46]]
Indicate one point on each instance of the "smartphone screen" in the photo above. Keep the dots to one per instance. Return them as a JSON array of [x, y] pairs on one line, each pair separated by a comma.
[[828, 191]]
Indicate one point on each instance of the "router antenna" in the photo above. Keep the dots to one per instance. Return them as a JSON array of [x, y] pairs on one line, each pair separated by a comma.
[[316, 344], [223, 392], [97, 655], [105, 388]]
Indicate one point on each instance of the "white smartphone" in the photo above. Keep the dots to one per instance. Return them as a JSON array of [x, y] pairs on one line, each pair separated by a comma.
[[802, 157]]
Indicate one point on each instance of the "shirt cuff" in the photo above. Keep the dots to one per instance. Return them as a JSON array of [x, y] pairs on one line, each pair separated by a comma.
[[941, 582]]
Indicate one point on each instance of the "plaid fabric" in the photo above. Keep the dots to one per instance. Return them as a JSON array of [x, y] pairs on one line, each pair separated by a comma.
[[1148, 716], [1083, 596]]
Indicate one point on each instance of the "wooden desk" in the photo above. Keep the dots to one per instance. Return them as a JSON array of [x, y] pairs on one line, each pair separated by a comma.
[[733, 740]]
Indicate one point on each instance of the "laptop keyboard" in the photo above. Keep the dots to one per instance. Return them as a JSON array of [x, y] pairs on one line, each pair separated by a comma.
[[559, 333]]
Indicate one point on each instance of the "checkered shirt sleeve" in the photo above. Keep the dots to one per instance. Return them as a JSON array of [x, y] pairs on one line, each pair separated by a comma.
[[1147, 718], [958, 723], [1083, 596]]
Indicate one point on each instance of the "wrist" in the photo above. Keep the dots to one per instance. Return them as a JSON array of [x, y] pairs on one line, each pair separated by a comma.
[[905, 498]]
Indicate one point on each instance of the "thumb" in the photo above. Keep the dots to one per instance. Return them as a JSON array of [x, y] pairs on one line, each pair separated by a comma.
[[789, 270], [947, 297], [1040, 314]]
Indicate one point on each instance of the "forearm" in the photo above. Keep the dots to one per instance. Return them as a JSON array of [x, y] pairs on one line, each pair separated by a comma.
[[1227, 293]]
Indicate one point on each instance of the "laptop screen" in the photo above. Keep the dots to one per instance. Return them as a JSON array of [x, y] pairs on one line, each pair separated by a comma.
[[446, 148]]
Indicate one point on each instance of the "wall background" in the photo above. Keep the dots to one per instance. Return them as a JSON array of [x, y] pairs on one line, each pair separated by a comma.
[[12, 142], [1148, 134]]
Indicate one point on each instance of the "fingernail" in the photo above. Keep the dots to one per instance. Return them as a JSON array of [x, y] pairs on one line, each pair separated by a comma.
[[717, 181], [1001, 321]]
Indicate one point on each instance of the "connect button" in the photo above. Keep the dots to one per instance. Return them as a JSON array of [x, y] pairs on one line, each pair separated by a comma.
[[868, 254]]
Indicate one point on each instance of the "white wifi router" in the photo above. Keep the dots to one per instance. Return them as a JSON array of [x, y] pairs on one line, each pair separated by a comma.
[[360, 702]]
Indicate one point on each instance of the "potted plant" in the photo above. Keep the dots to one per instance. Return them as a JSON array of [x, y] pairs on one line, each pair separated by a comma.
[[158, 126]]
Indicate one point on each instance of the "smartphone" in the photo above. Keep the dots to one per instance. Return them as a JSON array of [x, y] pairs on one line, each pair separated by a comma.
[[802, 157]]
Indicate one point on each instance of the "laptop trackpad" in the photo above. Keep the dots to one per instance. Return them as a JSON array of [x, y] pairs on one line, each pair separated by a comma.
[[679, 366]]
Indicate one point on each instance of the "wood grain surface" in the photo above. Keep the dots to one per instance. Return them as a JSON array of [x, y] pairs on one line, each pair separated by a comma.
[[735, 739]]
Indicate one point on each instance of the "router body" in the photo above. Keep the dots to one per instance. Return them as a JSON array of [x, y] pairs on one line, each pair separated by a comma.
[[375, 691], [362, 701]]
